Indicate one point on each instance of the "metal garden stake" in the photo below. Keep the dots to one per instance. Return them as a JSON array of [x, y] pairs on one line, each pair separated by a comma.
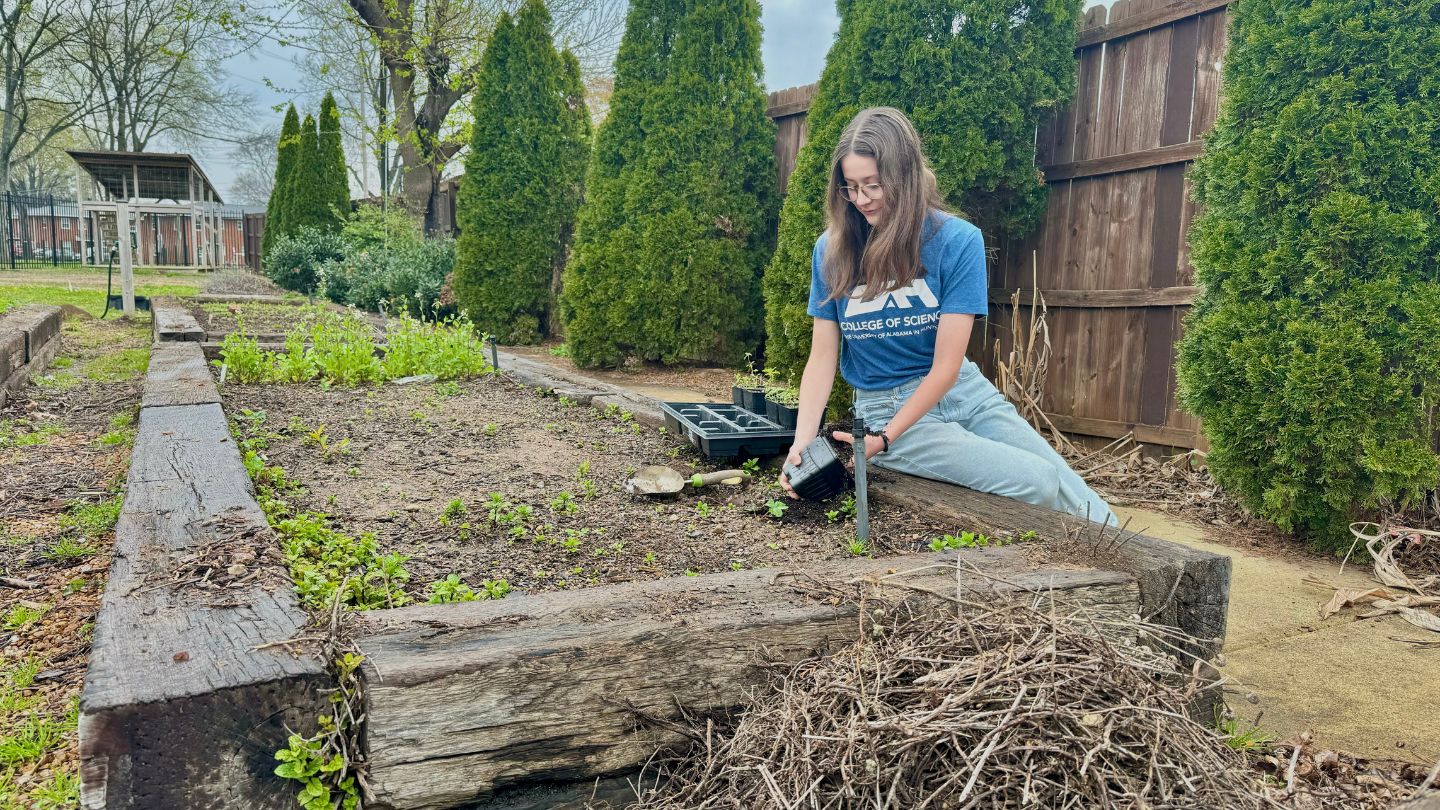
[[862, 506]]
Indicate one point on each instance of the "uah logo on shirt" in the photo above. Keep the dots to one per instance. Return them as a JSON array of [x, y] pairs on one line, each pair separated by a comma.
[[856, 305]]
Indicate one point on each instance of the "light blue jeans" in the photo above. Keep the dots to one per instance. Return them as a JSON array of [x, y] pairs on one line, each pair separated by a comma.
[[975, 438]]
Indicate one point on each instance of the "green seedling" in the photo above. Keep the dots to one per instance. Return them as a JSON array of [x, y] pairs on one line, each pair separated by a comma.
[[702, 509], [450, 589], [857, 548], [449, 388], [567, 401], [751, 465], [736, 565], [68, 549], [650, 558], [776, 509], [21, 616], [491, 429], [951, 542], [564, 503], [454, 512]]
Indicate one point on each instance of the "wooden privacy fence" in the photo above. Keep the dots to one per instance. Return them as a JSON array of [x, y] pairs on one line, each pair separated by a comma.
[[1110, 256]]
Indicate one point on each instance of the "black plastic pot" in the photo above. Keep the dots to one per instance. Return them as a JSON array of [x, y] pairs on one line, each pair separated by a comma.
[[725, 431], [782, 415], [751, 399], [821, 474]]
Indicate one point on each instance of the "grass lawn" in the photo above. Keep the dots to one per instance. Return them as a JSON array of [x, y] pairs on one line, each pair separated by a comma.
[[85, 287]]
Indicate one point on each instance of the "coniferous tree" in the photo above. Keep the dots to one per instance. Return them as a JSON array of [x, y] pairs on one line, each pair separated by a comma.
[[706, 201], [574, 86], [286, 151], [522, 179], [1313, 354], [308, 202], [597, 297], [975, 77], [698, 202], [332, 162]]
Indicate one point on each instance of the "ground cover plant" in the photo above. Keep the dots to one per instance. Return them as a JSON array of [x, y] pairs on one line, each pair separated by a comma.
[[64, 447]]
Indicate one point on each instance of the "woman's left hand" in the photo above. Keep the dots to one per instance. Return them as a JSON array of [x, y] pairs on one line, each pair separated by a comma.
[[873, 444]]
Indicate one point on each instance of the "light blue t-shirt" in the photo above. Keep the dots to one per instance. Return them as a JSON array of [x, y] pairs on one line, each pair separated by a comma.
[[888, 340]]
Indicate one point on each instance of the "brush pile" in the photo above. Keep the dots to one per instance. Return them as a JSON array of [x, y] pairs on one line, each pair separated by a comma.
[[1009, 706]]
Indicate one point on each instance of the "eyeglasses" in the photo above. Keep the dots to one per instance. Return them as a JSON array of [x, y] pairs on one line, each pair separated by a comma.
[[872, 191]]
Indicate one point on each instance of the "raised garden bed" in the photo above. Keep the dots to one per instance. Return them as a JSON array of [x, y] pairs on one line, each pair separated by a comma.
[[422, 467], [266, 321]]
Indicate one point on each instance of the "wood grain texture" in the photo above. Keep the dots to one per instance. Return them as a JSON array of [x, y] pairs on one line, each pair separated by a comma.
[[12, 353], [1124, 162], [1139, 23], [178, 375], [1179, 586], [172, 321], [158, 729], [39, 323], [468, 701]]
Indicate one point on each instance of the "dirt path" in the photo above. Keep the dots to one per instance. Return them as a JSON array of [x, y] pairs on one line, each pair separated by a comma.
[[1346, 680]]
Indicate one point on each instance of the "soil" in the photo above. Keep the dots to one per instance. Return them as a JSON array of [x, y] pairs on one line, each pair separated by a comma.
[[266, 321], [53, 462], [412, 451], [712, 381]]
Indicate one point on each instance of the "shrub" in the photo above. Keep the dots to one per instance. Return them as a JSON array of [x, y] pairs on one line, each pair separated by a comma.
[[1313, 354], [976, 93], [406, 277], [594, 298], [294, 260], [522, 179]]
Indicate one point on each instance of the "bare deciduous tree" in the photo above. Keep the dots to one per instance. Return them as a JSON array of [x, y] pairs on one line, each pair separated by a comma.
[[152, 66], [430, 51], [37, 38], [254, 155]]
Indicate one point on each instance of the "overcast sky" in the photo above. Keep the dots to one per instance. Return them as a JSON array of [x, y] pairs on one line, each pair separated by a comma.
[[798, 33]]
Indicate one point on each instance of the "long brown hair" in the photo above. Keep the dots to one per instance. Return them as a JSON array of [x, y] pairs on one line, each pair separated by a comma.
[[887, 256]]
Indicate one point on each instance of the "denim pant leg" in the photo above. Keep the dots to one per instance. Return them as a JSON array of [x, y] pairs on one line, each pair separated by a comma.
[[974, 438], [983, 410]]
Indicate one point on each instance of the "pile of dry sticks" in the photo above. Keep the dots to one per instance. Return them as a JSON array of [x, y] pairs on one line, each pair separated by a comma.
[[1010, 705]]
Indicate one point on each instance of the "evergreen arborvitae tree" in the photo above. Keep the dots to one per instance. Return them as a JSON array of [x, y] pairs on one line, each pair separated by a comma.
[[1313, 354], [701, 199], [597, 296], [308, 204], [332, 162], [286, 151], [574, 87], [975, 76], [522, 178]]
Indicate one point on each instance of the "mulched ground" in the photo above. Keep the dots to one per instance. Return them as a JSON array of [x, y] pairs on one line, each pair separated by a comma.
[[241, 282], [64, 448], [413, 450]]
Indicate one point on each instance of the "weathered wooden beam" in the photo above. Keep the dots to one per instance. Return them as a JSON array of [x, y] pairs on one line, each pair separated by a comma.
[[29, 340], [1127, 162], [1096, 299], [1111, 429], [173, 322], [180, 708], [1180, 586], [470, 702], [178, 375]]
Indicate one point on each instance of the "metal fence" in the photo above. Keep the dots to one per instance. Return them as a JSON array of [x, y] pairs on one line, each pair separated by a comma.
[[41, 230]]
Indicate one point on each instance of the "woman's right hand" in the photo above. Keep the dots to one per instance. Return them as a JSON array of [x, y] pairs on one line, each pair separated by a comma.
[[795, 459]]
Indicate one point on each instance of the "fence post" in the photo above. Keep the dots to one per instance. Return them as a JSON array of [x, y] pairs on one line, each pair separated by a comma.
[[127, 271], [9, 230], [54, 236]]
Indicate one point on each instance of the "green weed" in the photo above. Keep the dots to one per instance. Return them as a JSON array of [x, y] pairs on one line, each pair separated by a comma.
[[118, 366], [68, 549], [21, 616], [776, 509], [951, 542], [12, 434], [91, 520]]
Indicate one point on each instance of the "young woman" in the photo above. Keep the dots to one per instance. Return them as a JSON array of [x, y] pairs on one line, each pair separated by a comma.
[[897, 282]]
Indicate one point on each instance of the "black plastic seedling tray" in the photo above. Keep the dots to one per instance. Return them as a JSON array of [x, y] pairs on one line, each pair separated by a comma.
[[726, 431]]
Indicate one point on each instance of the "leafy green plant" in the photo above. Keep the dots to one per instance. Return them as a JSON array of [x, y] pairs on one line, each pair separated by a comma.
[[857, 548], [91, 520], [564, 503], [302, 760], [450, 589], [343, 351], [296, 364], [703, 509], [241, 358], [449, 388], [455, 512], [68, 549], [1250, 740], [448, 349], [966, 540], [21, 616], [776, 509], [751, 465], [11, 436]]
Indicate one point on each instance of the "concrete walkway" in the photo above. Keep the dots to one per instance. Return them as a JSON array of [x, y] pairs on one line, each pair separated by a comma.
[[1344, 679]]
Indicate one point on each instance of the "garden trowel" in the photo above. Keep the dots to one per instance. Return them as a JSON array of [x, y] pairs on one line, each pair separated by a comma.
[[661, 480]]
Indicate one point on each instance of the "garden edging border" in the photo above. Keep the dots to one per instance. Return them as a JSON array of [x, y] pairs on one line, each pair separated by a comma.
[[29, 341], [180, 708]]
